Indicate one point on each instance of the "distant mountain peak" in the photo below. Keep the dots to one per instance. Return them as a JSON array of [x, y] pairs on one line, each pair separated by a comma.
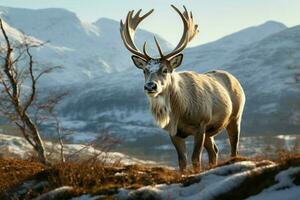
[[104, 20], [43, 10], [274, 23], [107, 24], [254, 33], [244, 36]]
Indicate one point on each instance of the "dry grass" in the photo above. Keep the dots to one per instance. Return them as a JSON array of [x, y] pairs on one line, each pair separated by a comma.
[[105, 179], [13, 172], [94, 178], [99, 178]]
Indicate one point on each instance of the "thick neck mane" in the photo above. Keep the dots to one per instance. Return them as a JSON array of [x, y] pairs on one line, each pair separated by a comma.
[[165, 106]]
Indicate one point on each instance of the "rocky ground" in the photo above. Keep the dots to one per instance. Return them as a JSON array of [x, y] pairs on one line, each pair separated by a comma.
[[89, 173], [239, 178]]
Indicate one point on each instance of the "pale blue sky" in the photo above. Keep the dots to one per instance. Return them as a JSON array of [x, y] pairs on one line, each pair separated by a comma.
[[216, 18]]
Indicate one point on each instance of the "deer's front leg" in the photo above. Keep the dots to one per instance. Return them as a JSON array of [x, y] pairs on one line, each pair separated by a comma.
[[199, 139], [179, 144]]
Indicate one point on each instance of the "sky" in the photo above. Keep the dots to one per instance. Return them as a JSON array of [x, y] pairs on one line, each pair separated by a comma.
[[216, 18]]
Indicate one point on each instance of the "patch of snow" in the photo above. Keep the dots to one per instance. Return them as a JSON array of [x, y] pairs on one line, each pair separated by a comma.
[[12, 146], [73, 124], [56, 193], [164, 147], [289, 141], [88, 197], [82, 137], [283, 189], [286, 137], [211, 183], [101, 42], [120, 174], [18, 147]]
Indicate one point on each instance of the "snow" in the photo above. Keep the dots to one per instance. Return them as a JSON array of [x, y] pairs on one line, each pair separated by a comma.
[[56, 193], [85, 50], [72, 124], [211, 183], [126, 116], [286, 194], [290, 141], [207, 185], [18, 147], [287, 137], [15, 34], [14, 147], [283, 189], [251, 55], [81, 137], [88, 197], [95, 76], [218, 53]]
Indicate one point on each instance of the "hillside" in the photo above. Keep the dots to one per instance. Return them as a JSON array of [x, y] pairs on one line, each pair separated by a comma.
[[106, 89], [84, 50], [265, 67], [216, 54], [106, 145], [233, 179], [90, 173]]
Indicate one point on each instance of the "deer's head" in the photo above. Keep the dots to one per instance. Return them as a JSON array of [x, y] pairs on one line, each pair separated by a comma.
[[157, 71]]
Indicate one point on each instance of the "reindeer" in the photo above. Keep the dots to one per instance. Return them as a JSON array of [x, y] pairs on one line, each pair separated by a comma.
[[187, 103]]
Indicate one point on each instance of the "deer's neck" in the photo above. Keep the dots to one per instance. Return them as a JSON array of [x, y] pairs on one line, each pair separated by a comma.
[[160, 109], [165, 105]]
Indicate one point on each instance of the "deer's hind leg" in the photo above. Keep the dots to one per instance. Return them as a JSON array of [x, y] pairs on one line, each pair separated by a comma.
[[233, 130]]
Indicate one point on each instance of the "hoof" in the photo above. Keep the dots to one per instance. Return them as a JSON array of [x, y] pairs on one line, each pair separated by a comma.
[[196, 168]]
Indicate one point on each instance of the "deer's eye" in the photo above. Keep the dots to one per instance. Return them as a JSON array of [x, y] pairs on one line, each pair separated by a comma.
[[165, 71]]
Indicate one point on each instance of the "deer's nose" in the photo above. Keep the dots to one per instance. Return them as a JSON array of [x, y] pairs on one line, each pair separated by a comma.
[[150, 86]]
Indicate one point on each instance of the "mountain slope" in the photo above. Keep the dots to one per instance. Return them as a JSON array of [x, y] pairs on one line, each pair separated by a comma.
[[267, 69], [85, 50], [214, 54], [273, 57], [107, 89]]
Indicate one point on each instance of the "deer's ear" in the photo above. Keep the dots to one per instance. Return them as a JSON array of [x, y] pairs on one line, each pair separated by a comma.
[[139, 62], [176, 61]]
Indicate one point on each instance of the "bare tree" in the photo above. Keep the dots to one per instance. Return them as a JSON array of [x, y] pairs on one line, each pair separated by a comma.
[[18, 90]]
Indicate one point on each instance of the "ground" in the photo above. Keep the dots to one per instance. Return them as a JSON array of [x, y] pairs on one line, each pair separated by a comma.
[[238, 178]]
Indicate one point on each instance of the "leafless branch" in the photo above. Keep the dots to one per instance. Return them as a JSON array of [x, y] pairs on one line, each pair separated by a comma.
[[14, 103], [33, 82]]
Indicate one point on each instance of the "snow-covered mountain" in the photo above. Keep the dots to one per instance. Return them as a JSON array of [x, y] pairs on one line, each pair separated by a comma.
[[225, 49], [107, 90], [265, 64], [84, 50]]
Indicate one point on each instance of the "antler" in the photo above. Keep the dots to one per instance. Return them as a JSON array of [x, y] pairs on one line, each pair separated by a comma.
[[128, 29], [189, 31]]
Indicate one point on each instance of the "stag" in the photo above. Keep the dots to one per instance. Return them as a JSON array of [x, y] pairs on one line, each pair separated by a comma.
[[187, 103]]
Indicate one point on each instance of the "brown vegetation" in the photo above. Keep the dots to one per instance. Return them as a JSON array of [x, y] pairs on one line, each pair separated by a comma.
[[13, 172], [105, 179], [96, 178]]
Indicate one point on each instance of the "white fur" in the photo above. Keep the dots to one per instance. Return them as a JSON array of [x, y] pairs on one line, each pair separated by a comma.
[[161, 110], [153, 66]]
